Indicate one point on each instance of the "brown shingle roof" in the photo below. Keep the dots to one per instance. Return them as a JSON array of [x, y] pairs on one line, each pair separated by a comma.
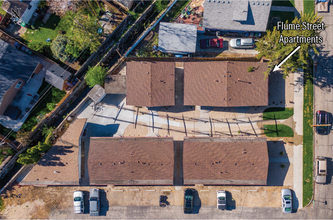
[[73, 133], [150, 83], [131, 161], [242, 161], [62, 158], [225, 83]]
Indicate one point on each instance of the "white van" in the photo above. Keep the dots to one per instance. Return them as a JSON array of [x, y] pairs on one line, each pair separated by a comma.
[[242, 43]]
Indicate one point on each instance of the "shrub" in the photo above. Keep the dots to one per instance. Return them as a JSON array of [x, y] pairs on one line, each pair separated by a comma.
[[250, 69], [95, 75], [58, 48]]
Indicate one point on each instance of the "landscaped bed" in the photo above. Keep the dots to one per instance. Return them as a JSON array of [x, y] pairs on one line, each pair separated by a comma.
[[308, 135], [277, 113], [44, 106], [278, 131]]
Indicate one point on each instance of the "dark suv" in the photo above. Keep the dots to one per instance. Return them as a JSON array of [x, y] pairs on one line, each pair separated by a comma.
[[321, 119], [188, 201]]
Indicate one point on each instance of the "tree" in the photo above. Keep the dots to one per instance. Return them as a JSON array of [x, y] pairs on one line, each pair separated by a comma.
[[33, 154], [23, 137], [271, 48], [58, 48], [95, 75], [84, 33]]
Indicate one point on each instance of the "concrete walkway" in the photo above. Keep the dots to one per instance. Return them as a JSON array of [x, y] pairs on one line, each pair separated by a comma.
[[298, 137]]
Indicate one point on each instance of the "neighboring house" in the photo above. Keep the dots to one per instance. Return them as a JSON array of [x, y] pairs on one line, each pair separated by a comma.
[[241, 17], [115, 84], [61, 165], [177, 38], [225, 84], [24, 9], [225, 161], [131, 161], [150, 83], [21, 76]]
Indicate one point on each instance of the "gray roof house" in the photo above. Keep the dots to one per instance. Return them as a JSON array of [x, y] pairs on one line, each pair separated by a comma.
[[177, 38], [236, 15], [25, 9], [21, 76], [56, 76]]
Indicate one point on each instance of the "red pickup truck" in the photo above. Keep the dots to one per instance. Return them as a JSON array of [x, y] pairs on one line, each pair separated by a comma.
[[207, 43]]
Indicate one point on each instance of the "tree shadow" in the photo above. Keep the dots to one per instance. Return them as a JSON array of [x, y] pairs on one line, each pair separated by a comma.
[[51, 158]]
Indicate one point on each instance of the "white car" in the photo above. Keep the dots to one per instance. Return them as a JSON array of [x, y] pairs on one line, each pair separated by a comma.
[[221, 200], [321, 170], [78, 202], [287, 201], [242, 43]]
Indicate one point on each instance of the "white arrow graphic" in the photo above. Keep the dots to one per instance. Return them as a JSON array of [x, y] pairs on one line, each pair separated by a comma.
[[277, 67]]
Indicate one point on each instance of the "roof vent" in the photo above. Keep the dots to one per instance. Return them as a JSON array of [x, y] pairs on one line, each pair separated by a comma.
[[212, 163], [252, 164], [253, 3], [223, 98], [195, 163], [161, 164], [100, 163], [221, 172], [263, 4], [229, 99], [229, 75], [132, 171], [148, 164], [223, 2], [147, 72], [119, 162], [138, 161], [208, 0], [214, 1], [56, 172], [267, 4], [114, 163], [235, 164], [228, 2], [218, 1], [258, 3]]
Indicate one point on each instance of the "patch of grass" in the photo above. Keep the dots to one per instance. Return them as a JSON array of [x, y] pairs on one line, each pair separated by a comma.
[[308, 6], [278, 131], [308, 135], [288, 3], [2, 12], [52, 97], [279, 113], [2, 206]]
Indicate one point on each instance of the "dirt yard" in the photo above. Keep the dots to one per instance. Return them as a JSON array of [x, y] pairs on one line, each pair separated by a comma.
[[39, 202]]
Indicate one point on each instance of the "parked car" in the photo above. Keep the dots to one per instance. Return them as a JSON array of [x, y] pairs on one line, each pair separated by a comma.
[[321, 119], [221, 200], [188, 201], [207, 43], [321, 170], [78, 202], [241, 43], [94, 203], [287, 201]]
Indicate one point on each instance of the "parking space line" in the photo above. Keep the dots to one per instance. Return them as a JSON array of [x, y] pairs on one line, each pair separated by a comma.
[[164, 190], [252, 190], [119, 190], [235, 190], [150, 190], [134, 189]]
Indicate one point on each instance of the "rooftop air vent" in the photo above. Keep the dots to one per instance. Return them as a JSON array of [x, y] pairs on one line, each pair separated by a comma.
[[263, 3], [223, 2], [253, 3], [228, 2], [267, 4], [258, 3], [218, 1]]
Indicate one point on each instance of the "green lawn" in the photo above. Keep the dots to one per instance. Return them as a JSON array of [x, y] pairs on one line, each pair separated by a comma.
[[176, 10], [279, 113], [2, 12], [280, 131], [288, 3], [44, 106], [309, 6], [308, 135]]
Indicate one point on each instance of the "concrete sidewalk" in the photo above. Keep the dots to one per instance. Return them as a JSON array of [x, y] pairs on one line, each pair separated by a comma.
[[298, 137]]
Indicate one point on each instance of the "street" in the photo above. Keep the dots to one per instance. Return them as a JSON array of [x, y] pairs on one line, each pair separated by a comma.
[[323, 100]]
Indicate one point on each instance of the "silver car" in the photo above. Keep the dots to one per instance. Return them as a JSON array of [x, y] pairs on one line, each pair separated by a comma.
[[94, 202], [242, 43], [287, 201]]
